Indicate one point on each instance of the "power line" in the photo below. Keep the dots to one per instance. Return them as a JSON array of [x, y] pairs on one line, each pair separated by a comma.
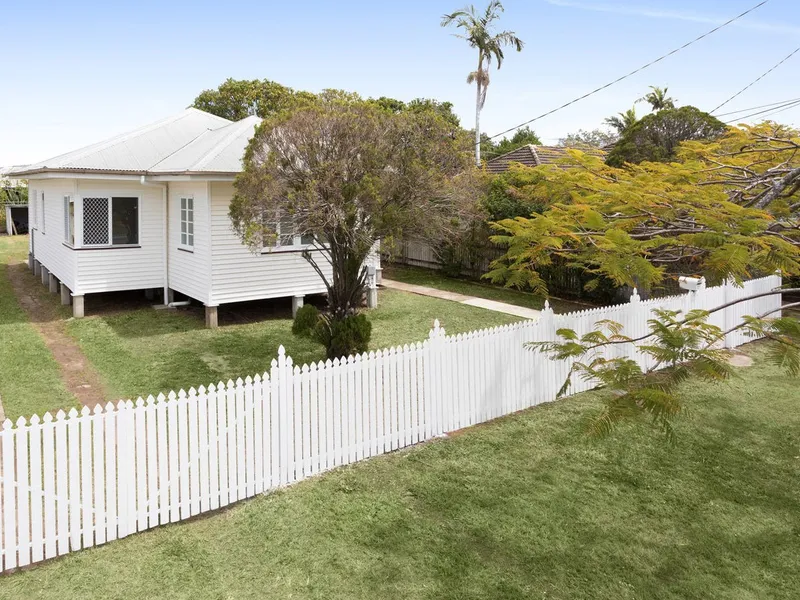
[[642, 68], [771, 111], [759, 78], [733, 112]]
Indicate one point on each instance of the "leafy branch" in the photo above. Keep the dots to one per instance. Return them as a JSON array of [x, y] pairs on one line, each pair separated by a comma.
[[645, 383]]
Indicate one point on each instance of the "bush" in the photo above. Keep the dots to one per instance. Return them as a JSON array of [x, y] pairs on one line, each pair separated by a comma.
[[305, 320], [344, 337]]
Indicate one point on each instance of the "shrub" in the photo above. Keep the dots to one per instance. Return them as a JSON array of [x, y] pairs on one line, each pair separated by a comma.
[[344, 337], [305, 320]]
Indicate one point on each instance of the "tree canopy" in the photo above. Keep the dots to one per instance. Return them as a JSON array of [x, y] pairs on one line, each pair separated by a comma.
[[655, 137], [345, 173], [724, 209], [522, 137], [237, 99], [596, 138]]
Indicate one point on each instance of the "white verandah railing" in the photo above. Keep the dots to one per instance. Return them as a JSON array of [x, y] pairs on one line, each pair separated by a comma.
[[78, 480]]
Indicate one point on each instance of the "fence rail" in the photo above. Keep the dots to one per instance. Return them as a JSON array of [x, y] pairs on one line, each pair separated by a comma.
[[86, 478]]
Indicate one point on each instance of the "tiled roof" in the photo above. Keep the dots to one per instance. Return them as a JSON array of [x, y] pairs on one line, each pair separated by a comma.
[[534, 156]]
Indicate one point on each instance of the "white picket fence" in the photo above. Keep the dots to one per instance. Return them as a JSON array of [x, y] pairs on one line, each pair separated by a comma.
[[75, 481]]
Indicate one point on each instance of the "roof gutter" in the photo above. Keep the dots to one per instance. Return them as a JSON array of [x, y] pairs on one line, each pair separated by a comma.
[[165, 196]]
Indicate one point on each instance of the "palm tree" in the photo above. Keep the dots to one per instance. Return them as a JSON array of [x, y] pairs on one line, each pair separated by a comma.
[[478, 34], [623, 121], [658, 99]]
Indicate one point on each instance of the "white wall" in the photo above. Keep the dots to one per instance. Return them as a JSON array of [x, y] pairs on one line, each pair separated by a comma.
[[239, 275], [190, 271], [115, 269], [48, 242]]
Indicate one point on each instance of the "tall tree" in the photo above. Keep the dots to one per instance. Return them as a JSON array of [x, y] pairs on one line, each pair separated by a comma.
[[522, 137], [346, 173], [479, 34], [657, 99], [623, 121], [655, 137], [236, 99], [596, 138], [724, 209]]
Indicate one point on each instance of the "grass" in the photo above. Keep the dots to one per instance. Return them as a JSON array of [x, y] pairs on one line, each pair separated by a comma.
[[523, 507], [140, 352], [29, 376], [434, 279]]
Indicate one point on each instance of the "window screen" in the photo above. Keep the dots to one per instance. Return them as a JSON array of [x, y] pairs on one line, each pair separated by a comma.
[[95, 221]]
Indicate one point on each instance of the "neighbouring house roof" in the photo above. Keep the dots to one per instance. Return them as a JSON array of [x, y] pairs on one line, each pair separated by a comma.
[[534, 156], [191, 142]]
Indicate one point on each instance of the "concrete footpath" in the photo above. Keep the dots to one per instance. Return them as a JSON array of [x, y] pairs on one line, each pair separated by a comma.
[[503, 307]]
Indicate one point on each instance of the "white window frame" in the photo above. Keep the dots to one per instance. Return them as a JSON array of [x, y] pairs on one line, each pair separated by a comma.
[[43, 212], [109, 197], [69, 220], [186, 239], [297, 244]]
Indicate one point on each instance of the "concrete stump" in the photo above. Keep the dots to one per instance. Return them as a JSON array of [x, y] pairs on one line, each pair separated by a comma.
[[212, 321], [66, 297], [77, 307]]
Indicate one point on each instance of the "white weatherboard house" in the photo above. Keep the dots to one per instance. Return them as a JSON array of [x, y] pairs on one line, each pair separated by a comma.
[[149, 210]]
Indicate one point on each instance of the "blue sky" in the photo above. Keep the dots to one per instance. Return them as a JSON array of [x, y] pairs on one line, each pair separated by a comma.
[[78, 72]]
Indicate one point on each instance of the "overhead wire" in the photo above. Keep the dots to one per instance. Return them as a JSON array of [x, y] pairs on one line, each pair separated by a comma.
[[757, 79], [642, 68]]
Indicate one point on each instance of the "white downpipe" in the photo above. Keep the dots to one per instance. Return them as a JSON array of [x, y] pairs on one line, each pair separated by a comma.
[[181, 303], [165, 196]]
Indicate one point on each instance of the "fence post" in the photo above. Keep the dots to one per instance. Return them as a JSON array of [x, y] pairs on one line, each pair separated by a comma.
[[433, 372], [285, 427], [728, 313]]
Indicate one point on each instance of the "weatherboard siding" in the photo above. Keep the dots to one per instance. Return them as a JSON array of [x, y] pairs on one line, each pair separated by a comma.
[[117, 269], [190, 271], [48, 244], [239, 275]]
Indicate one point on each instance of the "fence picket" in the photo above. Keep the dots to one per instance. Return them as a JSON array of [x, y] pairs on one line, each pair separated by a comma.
[[76, 481]]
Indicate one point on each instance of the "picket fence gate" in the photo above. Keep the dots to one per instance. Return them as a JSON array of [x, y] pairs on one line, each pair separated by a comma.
[[79, 480]]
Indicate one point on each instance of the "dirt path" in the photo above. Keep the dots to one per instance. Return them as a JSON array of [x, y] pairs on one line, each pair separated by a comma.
[[77, 373]]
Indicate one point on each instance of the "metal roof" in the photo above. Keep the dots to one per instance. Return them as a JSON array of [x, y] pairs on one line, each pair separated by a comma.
[[217, 151], [191, 141]]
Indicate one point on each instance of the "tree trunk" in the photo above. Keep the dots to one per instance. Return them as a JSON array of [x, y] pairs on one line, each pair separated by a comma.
[[478, 125]]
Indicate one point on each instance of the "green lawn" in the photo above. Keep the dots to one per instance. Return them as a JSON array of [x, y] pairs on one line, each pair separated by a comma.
[[434, 279], [29, 376], [524, 507], [145, 351]]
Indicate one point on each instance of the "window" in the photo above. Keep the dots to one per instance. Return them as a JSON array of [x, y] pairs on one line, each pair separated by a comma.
[[69, 220], [287, 236], [187, 222], [42, 212], [111, 221]]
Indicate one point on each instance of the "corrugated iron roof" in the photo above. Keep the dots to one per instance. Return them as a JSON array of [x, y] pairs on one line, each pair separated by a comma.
[[217, 151], [191, 141], [534, 156]]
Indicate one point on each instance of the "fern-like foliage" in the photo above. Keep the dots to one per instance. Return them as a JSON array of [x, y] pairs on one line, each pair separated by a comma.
[[645, 383]]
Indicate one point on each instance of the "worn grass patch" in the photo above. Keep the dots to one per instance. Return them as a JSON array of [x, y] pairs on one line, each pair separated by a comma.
[[524, 507], [29, 376], [144, 351]]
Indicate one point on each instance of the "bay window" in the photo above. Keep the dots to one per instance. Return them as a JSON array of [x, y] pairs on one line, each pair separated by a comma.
[[111, 221]]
